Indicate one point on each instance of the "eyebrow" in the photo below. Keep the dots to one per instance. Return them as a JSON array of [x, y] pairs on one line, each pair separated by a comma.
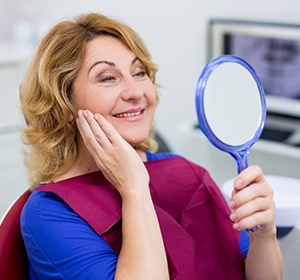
[[100, 62], [110, 63]]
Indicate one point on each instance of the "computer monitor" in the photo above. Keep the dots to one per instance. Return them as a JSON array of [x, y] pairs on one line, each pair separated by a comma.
[[273, 50]]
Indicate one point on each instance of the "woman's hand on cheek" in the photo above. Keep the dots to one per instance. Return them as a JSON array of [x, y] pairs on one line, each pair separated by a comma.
[[117, 160], [252, 201]]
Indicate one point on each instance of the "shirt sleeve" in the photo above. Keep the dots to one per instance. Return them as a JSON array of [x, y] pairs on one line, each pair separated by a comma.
[[159, 156], [244, 243], [61, 245]]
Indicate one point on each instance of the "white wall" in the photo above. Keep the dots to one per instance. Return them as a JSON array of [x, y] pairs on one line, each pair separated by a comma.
[[173, 30]]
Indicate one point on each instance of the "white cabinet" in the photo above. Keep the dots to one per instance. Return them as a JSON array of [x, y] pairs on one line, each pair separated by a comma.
[[274, 158]]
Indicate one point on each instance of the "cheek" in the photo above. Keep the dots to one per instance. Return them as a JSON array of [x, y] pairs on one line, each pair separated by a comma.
[[95, 101], [152, 103], [152, 96]]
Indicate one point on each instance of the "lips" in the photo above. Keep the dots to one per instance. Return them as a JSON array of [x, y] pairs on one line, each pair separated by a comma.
[[128, 114]]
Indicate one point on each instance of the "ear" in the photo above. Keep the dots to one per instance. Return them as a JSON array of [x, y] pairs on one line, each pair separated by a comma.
[[71, 118]]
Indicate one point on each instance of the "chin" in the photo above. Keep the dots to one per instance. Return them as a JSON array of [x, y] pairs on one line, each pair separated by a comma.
[[134, 134], [134, 140]]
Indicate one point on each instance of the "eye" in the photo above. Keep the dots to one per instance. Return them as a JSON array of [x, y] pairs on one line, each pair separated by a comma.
[[107, 79], [141, 74]]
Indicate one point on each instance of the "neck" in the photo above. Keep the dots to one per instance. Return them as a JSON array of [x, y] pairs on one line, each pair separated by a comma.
[[85, 163]]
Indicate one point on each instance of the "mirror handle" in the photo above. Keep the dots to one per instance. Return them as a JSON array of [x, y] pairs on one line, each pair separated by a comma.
[[241, 158]]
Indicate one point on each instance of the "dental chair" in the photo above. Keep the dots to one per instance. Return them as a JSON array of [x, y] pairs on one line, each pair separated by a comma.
[[13, 258]]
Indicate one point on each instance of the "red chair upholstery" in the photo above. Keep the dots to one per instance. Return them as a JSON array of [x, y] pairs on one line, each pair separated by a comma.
[[13, 258]]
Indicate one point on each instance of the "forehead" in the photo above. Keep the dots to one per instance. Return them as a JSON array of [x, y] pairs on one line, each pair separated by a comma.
[[106, 47]]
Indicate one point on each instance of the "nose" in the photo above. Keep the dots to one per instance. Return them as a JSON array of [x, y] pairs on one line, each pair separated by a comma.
[[132, 89]]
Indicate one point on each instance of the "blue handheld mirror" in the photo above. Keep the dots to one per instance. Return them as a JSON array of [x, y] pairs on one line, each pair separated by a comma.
[[231, 106]]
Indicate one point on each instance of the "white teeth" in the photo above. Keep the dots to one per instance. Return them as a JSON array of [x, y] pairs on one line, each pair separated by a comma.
[[126, 115]]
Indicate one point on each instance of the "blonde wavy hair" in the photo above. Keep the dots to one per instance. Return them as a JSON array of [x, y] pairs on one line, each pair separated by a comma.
[[46, 92]]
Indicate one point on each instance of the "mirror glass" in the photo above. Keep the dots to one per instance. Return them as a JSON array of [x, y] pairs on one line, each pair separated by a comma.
[[231, 106]]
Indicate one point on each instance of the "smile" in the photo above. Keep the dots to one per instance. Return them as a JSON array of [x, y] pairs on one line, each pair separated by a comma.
[[127, 115]]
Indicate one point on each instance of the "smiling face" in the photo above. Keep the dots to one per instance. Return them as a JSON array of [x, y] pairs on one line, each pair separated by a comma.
[[114, 83]]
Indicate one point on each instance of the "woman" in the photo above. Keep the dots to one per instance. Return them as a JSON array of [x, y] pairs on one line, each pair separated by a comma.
[[104, 206]]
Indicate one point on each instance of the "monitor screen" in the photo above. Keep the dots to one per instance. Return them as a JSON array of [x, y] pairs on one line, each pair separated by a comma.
[[273, 50]]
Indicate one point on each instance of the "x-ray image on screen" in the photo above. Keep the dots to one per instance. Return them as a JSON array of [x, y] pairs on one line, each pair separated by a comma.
[[276, 61]]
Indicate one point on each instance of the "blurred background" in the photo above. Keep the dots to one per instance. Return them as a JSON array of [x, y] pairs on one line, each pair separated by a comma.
[[176, 35]]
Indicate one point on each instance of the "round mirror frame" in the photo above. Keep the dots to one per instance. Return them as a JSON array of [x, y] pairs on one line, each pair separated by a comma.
[[239, 152]]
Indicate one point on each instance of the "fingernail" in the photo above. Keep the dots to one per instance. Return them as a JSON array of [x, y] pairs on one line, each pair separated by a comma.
[[231, 203], [85, 113], [80, 113], [238, 182], [236, 225], [233, 216]]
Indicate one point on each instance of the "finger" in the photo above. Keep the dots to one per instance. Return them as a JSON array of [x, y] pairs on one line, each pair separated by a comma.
[[87, 127], [99, 134], [257, 205], [250, 175], [112, 135], [250, 193], [233, 192], [261, 218]]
